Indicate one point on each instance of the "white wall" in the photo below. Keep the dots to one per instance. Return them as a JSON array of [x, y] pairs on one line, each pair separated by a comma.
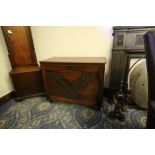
[[83, 41], [50, 41], [5, 67]]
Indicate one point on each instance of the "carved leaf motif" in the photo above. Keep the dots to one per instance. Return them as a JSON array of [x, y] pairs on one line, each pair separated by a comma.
[[73, 90], [120, 40]]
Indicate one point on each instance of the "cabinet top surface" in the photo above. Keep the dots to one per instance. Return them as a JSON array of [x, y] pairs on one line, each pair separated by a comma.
[[75, 60]]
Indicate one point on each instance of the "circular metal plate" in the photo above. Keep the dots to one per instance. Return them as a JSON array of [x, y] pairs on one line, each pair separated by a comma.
[[138, 82]]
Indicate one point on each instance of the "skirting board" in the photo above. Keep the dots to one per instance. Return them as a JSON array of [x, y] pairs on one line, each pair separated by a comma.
[[12, 95], [7, 97]]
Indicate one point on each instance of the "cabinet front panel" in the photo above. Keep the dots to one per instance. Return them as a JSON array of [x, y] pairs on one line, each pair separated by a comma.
[[74, 83]]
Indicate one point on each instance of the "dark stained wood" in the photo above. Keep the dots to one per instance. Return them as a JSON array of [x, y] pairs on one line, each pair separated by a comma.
[[74, 80], [7, 97], [25, 74], [27, 83]]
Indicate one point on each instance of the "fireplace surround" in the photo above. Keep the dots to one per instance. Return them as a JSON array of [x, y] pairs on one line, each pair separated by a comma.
[[128, 44]]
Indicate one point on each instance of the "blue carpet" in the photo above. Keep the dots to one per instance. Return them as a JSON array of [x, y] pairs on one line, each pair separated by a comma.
[[39, 113]]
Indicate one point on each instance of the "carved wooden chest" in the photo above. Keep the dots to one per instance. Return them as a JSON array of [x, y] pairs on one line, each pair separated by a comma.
[[74, 80]]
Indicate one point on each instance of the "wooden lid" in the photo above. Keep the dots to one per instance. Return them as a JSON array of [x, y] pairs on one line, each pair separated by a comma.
[[75, 60]]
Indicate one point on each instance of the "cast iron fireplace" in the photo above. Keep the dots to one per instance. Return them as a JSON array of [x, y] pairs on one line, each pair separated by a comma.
[[128, 44]]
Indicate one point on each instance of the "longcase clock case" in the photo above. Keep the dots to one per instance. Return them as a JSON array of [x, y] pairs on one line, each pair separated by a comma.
[[25, 74]]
